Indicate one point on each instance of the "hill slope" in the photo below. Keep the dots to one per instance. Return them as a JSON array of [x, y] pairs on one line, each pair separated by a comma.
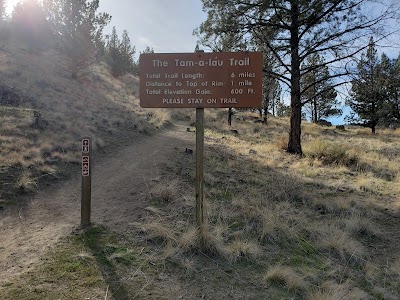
[[44, 114], [322, 226]]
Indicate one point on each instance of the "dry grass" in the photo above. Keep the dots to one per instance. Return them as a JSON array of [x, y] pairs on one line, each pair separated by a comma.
[[166, 191], [286, 276], [333, 238], [43, 130], [330, 153], [298, 227], [156, 230], [396, 267], [316, 213], [242, 247], [159, 117], [332, 291], [327, 213], [188, 239], [25, 182]]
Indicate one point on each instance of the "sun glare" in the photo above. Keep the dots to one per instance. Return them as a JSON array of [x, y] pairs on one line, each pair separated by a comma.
[[10, 5]]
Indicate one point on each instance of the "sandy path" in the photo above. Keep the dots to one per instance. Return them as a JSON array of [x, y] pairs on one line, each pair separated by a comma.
[[119, 194]]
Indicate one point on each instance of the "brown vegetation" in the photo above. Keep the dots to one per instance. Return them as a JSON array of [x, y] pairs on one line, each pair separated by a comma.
[[320, 226], [44, 114]]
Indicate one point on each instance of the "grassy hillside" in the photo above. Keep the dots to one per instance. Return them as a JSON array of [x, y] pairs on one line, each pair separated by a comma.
[[44, 113], [322, 226]]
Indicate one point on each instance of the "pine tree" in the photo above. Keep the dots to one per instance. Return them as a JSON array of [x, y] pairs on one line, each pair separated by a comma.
[[79, 29], [390, 82], [136, 63], [2, 10], [394, 91], [271, 95], [282, 110], [29, 23], [127, 51], [270, 84], [303, 27], [319, 96], [367, 92], [119, 54], [4, 30], [276, 98], [113, 53]]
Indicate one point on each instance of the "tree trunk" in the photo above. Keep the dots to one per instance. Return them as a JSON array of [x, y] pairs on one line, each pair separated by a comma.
[[316, 118], [273, 107], [315, 111], [294, 145], [265, 114], [230, 113]]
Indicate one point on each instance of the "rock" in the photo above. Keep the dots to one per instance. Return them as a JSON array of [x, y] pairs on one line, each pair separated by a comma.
[[340, 127], [37, 121], [323, 122], [234, 131], [252, 151]]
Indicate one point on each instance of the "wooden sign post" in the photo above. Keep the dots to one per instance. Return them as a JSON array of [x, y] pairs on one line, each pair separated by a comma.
[[86, 182], [201, 80], [199, 172]]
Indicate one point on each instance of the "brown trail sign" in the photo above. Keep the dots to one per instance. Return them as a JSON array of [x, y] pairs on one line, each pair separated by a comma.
[[201, 80]]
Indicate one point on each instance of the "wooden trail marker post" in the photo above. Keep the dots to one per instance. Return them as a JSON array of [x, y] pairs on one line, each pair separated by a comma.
[[200, 80], [86, 182], [199, 172]]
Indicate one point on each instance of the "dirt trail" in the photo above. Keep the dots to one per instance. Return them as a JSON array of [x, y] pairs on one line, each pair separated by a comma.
[[119, 194]]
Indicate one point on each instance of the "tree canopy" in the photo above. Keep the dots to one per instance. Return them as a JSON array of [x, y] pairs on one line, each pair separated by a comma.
[[29, 22], [2, 9], [375, 90], [119, 53], [319, 97], [79, 27], [300, 28]]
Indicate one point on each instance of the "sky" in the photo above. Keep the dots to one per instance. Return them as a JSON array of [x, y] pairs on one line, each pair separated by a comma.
[[165, 25]]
